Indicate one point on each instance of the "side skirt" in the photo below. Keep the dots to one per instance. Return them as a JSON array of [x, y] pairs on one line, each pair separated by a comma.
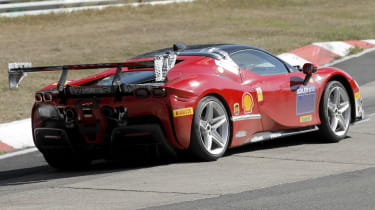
[[269, 135]]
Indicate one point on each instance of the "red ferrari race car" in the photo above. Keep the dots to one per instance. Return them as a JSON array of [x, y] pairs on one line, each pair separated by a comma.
[[200, 98]]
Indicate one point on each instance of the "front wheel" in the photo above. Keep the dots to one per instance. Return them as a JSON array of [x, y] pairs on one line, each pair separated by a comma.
[[335, 112], [210, 133]]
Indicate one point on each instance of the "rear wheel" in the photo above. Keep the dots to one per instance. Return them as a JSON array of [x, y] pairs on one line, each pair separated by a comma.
[[335, 112], [210, 130]]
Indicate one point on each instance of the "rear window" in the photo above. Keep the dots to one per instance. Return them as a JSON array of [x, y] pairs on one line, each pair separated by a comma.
[[130, 77]]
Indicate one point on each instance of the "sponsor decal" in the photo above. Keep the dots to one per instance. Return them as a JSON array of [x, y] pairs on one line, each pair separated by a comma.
[[241, 134], [305, 100], [357, 95], [247, 102], [236, 108], [183, 112], [260, 94], [305, 118]]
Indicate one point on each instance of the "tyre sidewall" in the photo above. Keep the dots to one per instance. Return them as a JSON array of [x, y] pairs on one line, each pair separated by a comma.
[[325, 129], [196, 145]]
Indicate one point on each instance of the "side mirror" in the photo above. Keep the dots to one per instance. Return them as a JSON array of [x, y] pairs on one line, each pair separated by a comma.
[[308, 69], [178, 47]]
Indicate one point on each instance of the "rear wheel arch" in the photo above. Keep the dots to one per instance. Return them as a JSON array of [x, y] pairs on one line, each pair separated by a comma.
[[349, 90]]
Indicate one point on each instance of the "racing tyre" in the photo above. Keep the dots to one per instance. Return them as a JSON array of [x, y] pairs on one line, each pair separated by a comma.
[[335, 112], [210, 133], [66, 160]]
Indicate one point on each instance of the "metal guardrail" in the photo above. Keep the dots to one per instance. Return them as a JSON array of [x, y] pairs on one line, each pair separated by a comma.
[[14, 8]]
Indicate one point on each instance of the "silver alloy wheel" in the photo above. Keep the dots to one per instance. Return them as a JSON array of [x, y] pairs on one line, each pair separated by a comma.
[[214, 127], [338, 111]]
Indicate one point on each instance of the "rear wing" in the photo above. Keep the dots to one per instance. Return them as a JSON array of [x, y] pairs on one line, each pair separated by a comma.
[[17, 71], [162, 64]]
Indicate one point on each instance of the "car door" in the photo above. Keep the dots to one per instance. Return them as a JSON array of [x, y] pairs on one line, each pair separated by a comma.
[[278, 90]]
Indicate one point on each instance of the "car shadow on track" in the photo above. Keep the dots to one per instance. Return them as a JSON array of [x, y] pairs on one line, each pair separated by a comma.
[[301, 139], [43, 173]]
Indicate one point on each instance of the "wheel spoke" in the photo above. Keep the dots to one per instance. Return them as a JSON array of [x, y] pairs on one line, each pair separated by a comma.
[[336, 96], [202, 124], [209, 111], [217, 138], [219, 121], [334, 123], [344, 106], [208, 142], [331, 107], [341, 122]]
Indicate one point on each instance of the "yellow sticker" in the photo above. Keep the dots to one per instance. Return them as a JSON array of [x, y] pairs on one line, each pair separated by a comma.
[[305, 118], [247, 102], [183, 112], [236, 108], [260, 94], [357, 95], [66, 82]]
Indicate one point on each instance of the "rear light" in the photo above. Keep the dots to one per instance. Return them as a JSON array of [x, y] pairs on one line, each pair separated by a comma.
[[47, 97], [159, 92], [38, 97], [141, 92]]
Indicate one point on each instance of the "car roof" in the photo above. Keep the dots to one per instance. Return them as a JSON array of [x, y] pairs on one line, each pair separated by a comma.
[[200, 50]]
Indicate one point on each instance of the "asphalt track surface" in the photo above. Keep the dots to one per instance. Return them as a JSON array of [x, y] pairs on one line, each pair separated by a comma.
[[298, 172]]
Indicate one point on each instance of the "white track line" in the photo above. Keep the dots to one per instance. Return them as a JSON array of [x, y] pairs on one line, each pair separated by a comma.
[[17, 153], [67, 10]]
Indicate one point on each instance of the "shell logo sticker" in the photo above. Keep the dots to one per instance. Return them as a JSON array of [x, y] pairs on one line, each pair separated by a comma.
[[183, 112], [247, 102], [305, 118], [236, 108], [260, 94], [357, 95]]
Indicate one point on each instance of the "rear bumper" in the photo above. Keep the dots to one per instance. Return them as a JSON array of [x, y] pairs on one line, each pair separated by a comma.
[[150, 134], [141, 135]]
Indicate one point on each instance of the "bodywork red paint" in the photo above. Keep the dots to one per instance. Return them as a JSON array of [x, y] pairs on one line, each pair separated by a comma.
[[196, 77]]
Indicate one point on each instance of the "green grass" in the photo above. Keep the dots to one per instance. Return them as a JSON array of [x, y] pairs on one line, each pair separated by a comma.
[[355, 50], [115, 34]]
